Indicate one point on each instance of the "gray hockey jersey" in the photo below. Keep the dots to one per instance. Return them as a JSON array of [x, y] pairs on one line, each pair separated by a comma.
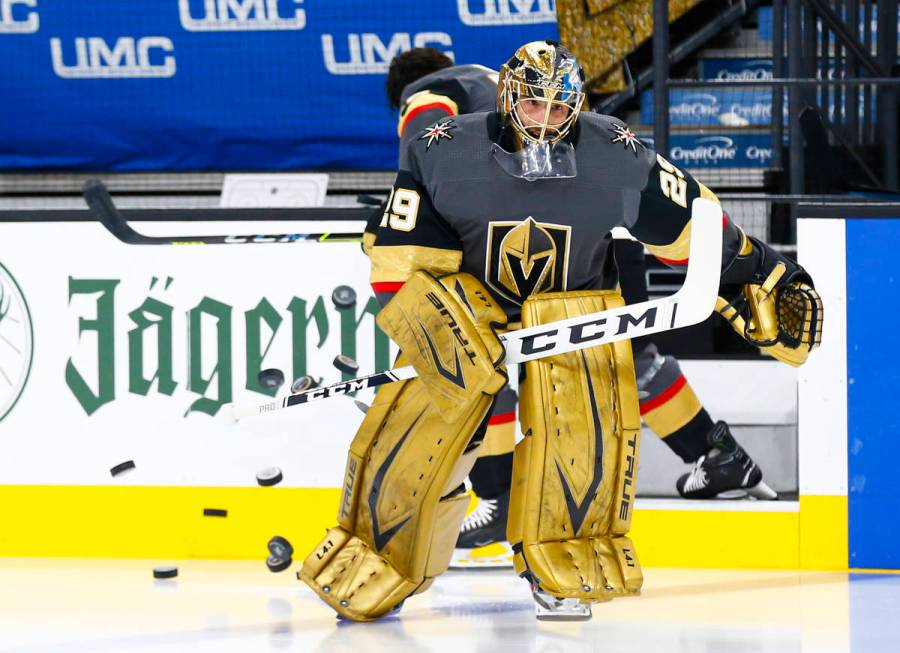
[[453, 208]]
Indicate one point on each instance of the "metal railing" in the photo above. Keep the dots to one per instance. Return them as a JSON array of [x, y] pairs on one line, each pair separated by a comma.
[[827, 106]]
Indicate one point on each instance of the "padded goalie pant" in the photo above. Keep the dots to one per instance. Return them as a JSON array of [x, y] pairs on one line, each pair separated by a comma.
[[403, 497], [574, 473]]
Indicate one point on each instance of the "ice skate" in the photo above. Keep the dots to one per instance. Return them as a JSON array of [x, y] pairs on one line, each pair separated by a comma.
[[482, 537], [724, 472]]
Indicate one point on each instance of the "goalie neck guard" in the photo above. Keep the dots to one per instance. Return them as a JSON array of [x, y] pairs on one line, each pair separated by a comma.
[[539, 96]]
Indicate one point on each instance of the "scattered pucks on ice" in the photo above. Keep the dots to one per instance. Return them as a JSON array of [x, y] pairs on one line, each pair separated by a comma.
[[271, 378], [346, 364], [277, 564], [269, 476], [165, 572], [304, 383], [122, 467], [344, 297], [279, 547]]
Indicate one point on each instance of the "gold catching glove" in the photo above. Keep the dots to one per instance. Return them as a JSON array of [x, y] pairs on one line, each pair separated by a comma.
[[782, 315]]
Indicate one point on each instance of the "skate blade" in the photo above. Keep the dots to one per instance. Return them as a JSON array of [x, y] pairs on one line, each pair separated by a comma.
[[565, 610], [762, 491], [498, 555]]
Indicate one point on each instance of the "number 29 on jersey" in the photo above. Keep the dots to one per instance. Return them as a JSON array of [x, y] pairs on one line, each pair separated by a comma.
[[402, 210]]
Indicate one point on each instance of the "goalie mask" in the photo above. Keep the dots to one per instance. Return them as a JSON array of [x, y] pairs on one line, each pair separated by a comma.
[[539, 95]]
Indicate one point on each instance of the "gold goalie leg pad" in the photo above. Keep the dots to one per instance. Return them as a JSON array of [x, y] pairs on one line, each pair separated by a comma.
[[574, 472], [403, 498]]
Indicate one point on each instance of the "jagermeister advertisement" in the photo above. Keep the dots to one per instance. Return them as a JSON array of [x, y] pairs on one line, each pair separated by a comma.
[[111, 351]]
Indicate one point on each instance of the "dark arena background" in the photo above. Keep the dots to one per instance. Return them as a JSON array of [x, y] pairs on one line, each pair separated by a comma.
[[241, 147]]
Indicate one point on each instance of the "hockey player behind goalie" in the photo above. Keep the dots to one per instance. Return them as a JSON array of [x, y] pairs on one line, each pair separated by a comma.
[[500, 217]]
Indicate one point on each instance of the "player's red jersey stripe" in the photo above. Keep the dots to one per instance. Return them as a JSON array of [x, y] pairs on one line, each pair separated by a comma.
[[664, 396], [502, 418], [426, 107], [684, 261], [387, 286], [669, 261]]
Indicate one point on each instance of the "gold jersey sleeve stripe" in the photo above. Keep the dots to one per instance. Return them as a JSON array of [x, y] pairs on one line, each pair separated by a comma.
[[500, 438], [425, 101], [398, 262], [676, 251], [707, 194], [746, 244], [368, 242], [674, 411]]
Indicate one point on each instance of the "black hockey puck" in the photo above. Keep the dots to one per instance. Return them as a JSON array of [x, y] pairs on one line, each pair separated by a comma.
[[303, 384], [269, 476], [165, 572], [122, 467], [277, 564], [279, 547], [346, 364], [344, 297], [271, 378], [214, 512]]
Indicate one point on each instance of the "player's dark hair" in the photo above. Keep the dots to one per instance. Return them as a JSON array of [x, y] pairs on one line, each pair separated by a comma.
[[411, 65]]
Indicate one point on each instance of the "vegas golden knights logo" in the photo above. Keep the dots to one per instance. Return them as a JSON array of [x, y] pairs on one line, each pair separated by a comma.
[[528, 257]]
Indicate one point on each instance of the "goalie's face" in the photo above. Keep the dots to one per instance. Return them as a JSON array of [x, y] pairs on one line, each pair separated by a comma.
[[541, 114], [540, 117]]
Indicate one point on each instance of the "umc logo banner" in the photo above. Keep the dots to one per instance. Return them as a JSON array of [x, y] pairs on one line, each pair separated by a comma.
[[480, 13], [367, 54], [240, 15], [18, 20], [128, 57], [265, 85]]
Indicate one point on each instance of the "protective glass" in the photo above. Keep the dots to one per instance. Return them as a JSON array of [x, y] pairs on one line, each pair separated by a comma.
[[538, 160]]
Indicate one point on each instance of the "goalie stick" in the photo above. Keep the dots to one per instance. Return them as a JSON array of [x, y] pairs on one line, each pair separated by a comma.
[[101, 204], [693, 303]]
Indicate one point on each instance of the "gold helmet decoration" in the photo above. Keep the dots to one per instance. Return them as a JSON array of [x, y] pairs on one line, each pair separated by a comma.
[[549, 73]]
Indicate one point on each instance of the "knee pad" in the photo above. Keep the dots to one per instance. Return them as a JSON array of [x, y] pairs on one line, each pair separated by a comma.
[[574, 473], [403, 500]]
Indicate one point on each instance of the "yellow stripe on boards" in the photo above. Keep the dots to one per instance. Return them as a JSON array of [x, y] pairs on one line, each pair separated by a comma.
[[716, 539], [161, 522], [168, 522], [824, 538]]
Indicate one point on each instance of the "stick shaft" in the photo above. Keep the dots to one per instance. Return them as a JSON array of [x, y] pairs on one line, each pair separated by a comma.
[[692, 304], [101, 204]]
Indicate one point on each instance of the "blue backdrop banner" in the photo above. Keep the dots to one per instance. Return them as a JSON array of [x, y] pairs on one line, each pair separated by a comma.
[[722, 150], [227, 84]]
